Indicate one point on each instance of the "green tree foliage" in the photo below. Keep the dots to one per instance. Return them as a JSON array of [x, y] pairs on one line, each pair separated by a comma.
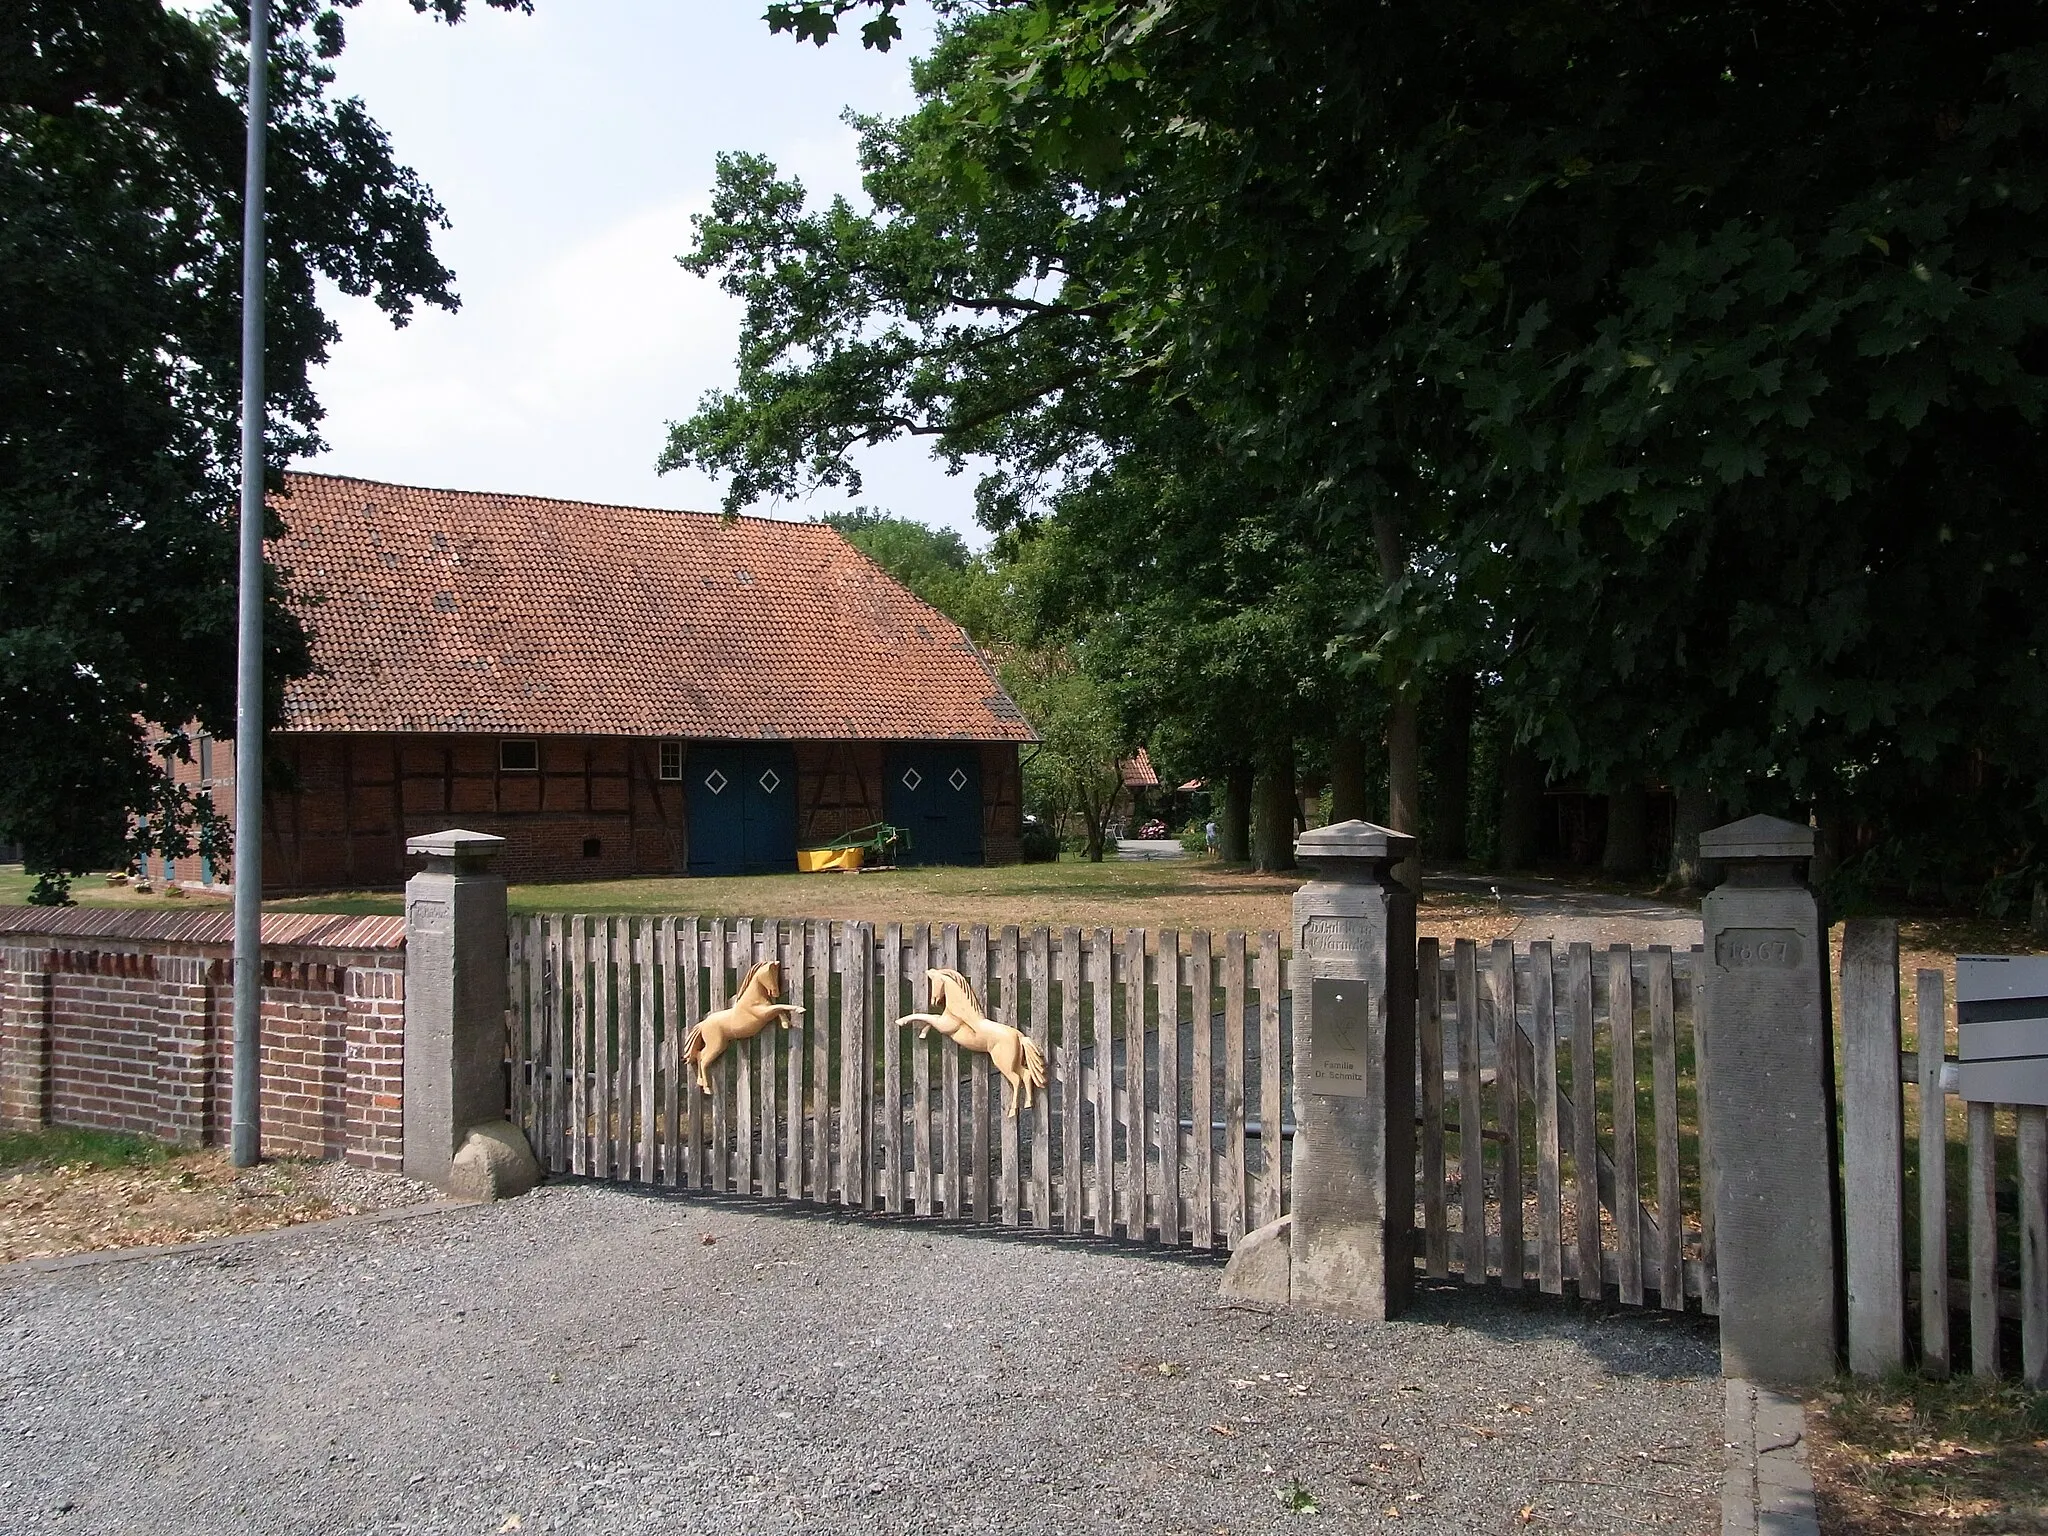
[[934, 563], [1686, 360], [121, 160], [1076, 769]]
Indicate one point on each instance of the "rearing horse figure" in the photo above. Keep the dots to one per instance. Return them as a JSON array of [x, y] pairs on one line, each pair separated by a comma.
[[960, 1018], [753, 1011]]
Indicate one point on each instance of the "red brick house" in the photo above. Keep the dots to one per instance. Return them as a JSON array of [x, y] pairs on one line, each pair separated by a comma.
[[617, 691]]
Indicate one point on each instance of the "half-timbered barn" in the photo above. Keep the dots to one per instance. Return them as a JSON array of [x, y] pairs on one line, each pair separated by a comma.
[[617, 691]]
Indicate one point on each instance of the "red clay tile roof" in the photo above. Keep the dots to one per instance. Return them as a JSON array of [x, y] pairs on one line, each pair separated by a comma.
[[1138, 772], [467, 611]]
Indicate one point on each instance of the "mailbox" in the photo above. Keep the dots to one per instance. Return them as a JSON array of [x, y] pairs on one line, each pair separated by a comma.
[[2002, 1028]]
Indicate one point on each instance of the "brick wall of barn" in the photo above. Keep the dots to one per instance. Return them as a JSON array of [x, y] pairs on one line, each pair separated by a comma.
[[123, 1021], [595, 808]]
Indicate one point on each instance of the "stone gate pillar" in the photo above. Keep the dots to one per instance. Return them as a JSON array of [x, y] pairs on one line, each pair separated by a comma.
[[1352, 1244], [455, 1001], [1767, 1093]]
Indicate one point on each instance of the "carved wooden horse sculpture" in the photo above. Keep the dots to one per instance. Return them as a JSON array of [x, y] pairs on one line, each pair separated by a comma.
[[960, 1018], [753, 1011]]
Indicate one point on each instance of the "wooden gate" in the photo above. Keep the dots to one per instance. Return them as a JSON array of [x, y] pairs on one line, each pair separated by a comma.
[[1168, 1112], [1164, 1116], [1576, 1152]]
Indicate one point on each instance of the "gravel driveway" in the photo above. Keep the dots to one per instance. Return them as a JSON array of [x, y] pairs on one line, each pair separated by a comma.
[[595, 1359]]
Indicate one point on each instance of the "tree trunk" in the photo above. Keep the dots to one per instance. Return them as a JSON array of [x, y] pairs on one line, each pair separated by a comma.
[[2037, 919], [1234, 827], [1696, 812], [1274, 806], [1404, 783], [1521, 807], [1095, 822], [1451, 768], [1404, 735], [1828, 837], [1350, 765], [1627, 851]]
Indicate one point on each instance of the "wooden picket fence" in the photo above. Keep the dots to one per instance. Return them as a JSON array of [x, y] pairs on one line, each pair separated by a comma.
[[1165, 1115], [1576, 1153], [1970, 1242]]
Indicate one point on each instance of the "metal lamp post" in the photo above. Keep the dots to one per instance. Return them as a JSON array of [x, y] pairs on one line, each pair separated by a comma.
[[247, 1141]]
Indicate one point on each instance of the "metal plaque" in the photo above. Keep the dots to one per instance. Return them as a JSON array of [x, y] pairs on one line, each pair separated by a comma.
[[1340, 1038]]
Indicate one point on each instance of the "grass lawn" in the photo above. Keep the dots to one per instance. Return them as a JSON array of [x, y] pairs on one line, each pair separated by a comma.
[[1908, 1457], [1185, 894]]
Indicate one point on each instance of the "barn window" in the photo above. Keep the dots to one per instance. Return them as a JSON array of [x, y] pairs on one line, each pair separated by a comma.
[[519, 757], [671, 759], [592, 847]]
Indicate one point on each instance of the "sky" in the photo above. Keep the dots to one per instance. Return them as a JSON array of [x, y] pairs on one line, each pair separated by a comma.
[[570, 148]]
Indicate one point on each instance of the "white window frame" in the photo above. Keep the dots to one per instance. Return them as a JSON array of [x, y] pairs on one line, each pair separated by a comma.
[[670, 766]]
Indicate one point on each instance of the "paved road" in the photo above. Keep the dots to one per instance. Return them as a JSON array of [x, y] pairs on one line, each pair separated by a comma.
[[592, 1359]]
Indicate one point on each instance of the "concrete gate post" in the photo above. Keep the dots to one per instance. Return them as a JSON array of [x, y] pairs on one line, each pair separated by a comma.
[[1352, 1245], [1768, 1095], [456, 1137]]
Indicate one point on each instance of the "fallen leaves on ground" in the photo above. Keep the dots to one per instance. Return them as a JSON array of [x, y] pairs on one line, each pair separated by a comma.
[[46, 1212]]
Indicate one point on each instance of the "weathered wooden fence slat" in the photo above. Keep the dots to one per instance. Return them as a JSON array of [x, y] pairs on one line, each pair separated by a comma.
[[1983, 1198], [1009, 966], [1621, 1019], [1037, 963], [919, 1044], [724, 1117], [1873, 1147], [1549, 1194], [1233, 1086], [1932, 1029], [1508, 1054], [1073, 1102], [1664, 1087], [895, 1187], [1471, 1113], [1166, 987], [1202, 1070], [1429, 1024]]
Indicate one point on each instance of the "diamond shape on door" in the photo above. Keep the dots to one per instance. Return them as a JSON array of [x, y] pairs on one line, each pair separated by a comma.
[[715, 782], [912, 778], [769, 782], [958, 779]]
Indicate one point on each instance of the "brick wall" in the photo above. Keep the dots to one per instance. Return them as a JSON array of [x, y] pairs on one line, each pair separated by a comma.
[[124, 1021]]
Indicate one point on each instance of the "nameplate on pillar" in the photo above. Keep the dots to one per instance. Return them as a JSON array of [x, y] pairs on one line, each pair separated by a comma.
[[1338, 938], [1758, 949], [427, 916], [1340, 1036]]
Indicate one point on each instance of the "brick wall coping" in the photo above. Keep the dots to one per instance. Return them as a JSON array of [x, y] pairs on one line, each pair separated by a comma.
[[213, 925]]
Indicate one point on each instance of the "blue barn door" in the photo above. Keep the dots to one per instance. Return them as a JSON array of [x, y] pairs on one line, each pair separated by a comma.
[[934, 793], [742, 810]]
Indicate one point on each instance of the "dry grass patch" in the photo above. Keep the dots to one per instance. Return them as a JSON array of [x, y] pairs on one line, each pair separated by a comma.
[[64, 1191], [1910, 1457]]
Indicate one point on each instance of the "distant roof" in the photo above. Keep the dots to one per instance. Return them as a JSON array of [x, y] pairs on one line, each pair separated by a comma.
[[457, 611], [1138, 772]]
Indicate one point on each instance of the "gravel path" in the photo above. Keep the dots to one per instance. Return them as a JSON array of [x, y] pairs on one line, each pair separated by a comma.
[[1562, 914], [592, 1359]]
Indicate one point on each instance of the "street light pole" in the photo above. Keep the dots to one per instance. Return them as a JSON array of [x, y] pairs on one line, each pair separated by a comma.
[[247, 1141]]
